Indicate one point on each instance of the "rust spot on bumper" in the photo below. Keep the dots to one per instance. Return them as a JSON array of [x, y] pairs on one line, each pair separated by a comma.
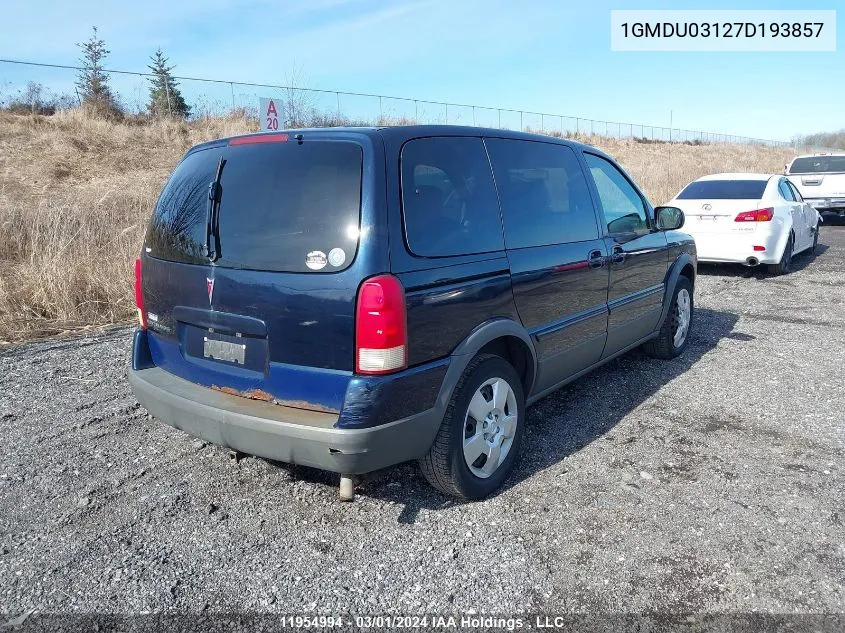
[[258, 394]]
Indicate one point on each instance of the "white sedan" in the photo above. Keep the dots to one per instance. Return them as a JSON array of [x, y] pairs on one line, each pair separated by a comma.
[[749, 219]]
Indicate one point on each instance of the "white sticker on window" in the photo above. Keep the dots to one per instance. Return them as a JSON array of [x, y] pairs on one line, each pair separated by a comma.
[[315, 260], [337, 257]]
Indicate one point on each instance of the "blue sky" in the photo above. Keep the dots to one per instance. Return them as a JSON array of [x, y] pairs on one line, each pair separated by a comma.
[[546, 56]]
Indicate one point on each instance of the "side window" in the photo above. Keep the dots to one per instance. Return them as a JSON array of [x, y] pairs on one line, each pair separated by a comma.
[[796, 194], [624, 209], [448, 199], [543, 193], [785, 191]]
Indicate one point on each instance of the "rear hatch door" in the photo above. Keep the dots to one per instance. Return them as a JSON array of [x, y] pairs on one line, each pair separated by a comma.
[[270, 314]]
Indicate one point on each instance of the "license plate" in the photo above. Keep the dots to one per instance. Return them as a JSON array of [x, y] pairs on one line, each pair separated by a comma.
[[223, 350]]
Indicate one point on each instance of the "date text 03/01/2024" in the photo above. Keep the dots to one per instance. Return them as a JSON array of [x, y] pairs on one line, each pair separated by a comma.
[[446, 622]]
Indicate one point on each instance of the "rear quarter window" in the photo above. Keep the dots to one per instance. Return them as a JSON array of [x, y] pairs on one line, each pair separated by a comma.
[[284, 207], [449, 203]]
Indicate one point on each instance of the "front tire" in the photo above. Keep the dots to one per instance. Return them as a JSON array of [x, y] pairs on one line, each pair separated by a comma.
[[785, 263], [481, 433], [675, 330]]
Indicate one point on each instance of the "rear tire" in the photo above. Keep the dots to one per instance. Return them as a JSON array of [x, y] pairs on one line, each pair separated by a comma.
[[815, 239], [785, 263], [491, 389], [675, 329]]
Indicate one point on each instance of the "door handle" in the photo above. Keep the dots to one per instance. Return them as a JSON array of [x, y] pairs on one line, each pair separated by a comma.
[[617, 255], [596, 259]]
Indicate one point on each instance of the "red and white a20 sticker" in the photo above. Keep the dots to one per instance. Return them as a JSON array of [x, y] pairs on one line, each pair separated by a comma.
[[269, 115]]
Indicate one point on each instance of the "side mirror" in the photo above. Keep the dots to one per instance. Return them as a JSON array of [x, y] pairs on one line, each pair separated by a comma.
[[669, 218]]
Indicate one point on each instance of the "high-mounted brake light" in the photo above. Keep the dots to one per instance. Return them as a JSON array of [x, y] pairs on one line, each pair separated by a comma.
[[381, 330], [139, 296], [758, 215], [259, 138]]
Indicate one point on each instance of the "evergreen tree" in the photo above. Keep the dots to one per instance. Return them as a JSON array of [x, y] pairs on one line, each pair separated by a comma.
[[92, 82], [165, 97]]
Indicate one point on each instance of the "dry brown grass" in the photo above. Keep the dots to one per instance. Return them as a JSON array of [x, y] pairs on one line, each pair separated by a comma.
[[76, 193], [662, 169]]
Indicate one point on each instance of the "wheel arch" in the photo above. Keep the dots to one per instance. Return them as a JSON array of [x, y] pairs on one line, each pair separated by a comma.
[[514, 350], [502, 337], [684, 266], [788, 231], [688, 271]]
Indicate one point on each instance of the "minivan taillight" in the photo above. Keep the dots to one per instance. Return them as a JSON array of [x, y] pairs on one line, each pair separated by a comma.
[[758, 215], [139, 296], [381, 330]]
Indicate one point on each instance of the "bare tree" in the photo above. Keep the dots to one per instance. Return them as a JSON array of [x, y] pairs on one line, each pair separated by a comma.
[[299, 105]]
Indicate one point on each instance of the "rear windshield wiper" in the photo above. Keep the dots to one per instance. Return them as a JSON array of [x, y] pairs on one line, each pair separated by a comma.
[[212, 214]]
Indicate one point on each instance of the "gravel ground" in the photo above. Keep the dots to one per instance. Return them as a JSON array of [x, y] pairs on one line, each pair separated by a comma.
[[712, 483]]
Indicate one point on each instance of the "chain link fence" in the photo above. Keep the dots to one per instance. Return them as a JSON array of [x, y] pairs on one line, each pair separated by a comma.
[[48, 87]]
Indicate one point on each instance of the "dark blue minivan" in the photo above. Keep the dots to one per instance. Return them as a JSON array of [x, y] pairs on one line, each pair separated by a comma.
[[352, 298]]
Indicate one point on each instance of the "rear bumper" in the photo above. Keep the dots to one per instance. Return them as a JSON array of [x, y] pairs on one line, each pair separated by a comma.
[[738, 247], [286, 434], [835, 203]]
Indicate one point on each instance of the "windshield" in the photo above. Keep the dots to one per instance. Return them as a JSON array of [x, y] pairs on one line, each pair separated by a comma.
[[283, 207], [817, 164], [724, 190]]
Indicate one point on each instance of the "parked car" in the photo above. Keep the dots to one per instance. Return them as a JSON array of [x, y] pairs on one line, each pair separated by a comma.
[[820, 178], [749, 219], [349, 299]]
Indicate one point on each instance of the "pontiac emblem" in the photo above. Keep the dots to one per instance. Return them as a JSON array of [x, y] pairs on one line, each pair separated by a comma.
[[209, 285]]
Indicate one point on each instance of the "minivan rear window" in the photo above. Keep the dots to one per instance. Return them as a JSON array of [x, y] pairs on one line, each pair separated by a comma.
[[724, 190], [817, 165], [286, 207]]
